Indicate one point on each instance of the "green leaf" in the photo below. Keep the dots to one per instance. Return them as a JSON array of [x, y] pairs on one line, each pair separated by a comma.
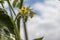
[[1, 2], [7, 32], [31, 14], [5, 21], [11, 38], [14, 3], [21, 3], [18, 5], [6, 0], [1, 10], [39, 38]]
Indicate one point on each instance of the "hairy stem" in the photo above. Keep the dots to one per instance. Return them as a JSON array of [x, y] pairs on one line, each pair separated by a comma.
[[25, 30]]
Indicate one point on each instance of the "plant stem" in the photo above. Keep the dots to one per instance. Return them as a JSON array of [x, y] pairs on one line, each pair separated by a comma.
[[17, 34], [25, 30], [18, 23], [11, 8], [16, 31], [11, 12]]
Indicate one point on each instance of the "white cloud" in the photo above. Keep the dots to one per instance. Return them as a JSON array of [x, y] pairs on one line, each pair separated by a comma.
[[49, 26]]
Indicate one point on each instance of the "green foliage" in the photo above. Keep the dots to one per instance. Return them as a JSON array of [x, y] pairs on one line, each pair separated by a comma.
[[39, 38], [31, 14], [21, 4], [9, 23], [5, 20], [18, 4], [4, 34], [11, 39], [1, 2], [14, 3], [7, 32]]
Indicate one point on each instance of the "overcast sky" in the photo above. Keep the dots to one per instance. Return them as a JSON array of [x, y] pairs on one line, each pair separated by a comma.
[[46, 21]]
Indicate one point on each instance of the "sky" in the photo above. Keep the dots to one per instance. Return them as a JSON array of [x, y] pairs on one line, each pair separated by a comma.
[[46, 21]]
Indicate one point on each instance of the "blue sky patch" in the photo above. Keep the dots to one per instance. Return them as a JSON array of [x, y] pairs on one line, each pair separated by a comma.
[[31, 2]]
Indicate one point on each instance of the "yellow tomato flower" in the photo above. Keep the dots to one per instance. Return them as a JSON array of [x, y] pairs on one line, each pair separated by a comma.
[[21, 10], [24, 10]]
